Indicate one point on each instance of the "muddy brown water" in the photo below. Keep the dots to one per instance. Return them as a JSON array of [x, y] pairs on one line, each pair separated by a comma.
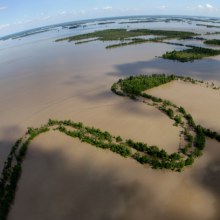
[[65, 179]]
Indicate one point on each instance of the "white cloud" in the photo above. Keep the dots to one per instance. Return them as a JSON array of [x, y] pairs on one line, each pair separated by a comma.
[[46, 17], [200, 6], [63, 12], [163, 7], [208, 6], [82, 12], [2, 8], [24, 22], [125, 9], [108, 8], [18, 22], [2, 26], [95, 9]]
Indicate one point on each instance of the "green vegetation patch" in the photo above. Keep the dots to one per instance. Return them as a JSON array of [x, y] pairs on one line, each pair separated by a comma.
[[124, 34], [191, 54], [107, 22], [104, 35], [135, 85], [165, 33], [130, 42], [212, 42], [208, 26], [130, 37]]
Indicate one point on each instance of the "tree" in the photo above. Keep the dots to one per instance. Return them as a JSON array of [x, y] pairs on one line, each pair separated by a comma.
[[118, 139]]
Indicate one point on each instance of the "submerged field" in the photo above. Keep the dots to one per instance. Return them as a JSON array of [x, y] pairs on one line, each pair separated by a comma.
[[127, 37], [71, 179]]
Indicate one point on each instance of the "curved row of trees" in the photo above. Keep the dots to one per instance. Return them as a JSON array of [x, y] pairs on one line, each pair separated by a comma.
[[12, 169], [135, 87], [141, 152]]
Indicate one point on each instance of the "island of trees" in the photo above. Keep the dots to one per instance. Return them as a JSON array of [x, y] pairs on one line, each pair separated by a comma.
[[194, 53], [134, 87], [213, 42], [127, 37]]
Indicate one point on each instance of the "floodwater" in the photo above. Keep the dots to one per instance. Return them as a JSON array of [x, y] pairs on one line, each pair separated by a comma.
[[41, 79]]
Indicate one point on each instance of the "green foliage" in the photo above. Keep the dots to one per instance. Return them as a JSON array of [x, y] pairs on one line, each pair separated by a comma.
[[190, 120], [114, 89], [200, 138], [211, 134], [52, 122], [143, 159], [126, 37], [189, 161], [129, 42], [191, 54], [182, 110], [168, 111], [12, 170], [175, 156], [178, 119], [153, 151], [137, 145], [85, 41], [118, 139], [120, 149], [189, 138], [103, 35], [136, 84], [22, 151], [153, 98], [212, 42], [33, 132], [168, 34], [184, 150], [196, 153], [9, 192], [141, 152]]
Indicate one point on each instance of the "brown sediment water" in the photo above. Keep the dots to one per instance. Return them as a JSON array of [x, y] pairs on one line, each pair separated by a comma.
[[63, 81], [65, 179], [203, 103]]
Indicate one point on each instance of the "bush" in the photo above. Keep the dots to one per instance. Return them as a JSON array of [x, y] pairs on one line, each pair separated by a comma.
[[178, 119], [200, 138], [182, 110], [118, 139]]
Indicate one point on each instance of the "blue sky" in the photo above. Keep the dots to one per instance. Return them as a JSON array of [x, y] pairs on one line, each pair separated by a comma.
[[18, 15]]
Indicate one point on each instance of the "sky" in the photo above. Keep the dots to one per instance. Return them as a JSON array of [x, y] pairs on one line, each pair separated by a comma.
[[19, 15]]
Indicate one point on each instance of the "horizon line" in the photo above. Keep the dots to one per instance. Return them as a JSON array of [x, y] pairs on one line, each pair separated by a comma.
[[100, 18]]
